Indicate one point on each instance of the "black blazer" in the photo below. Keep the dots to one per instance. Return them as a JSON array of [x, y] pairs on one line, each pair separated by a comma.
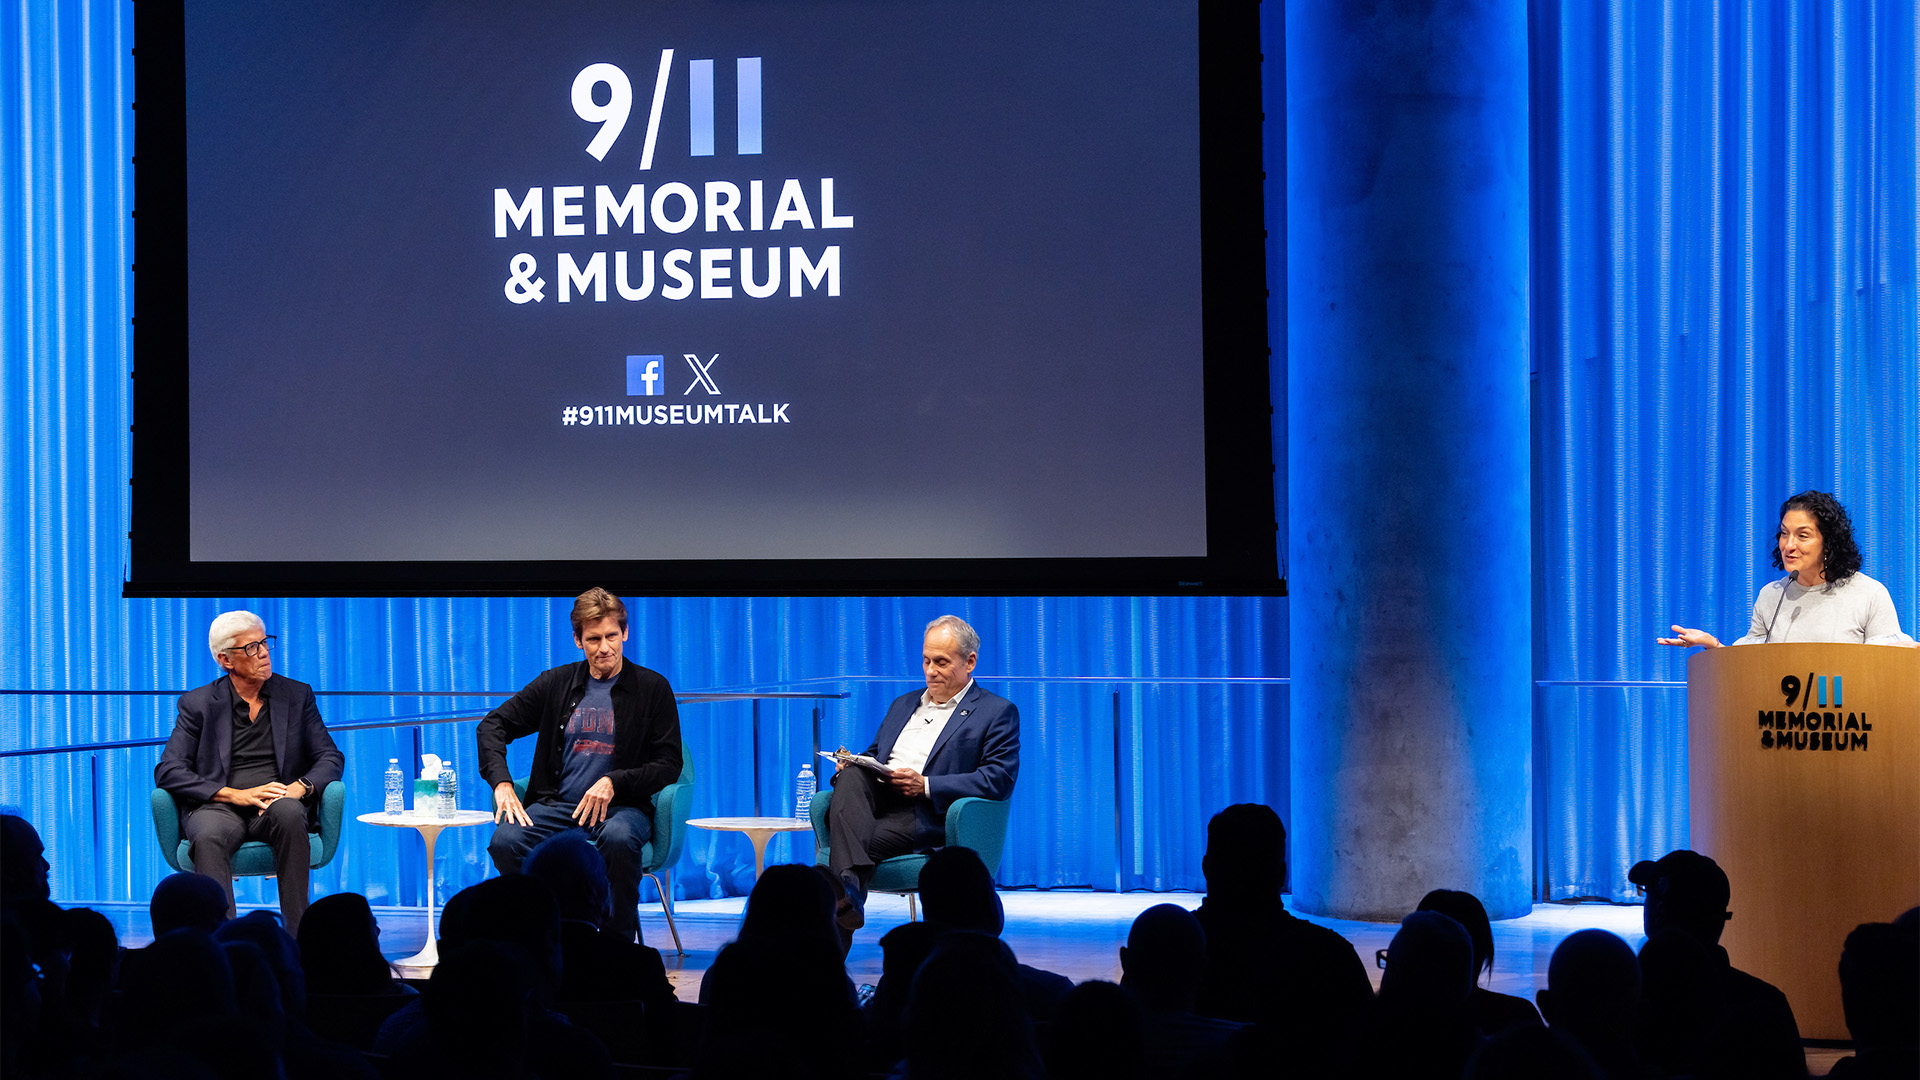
[[646, 732], [199, 754]]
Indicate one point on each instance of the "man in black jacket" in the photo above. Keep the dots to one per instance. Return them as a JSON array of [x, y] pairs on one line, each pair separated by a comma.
[[247, 760], [608, 740]]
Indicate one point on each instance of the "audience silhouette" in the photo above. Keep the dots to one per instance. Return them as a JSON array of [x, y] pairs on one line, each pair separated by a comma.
[[964, 1018], [1532, 1052], [1592, 996], [186, 901], [20, 1000], [1880, 992], [1099, 1034], [957, 891], [218, 998], [778, 999], [1422, 1024], [306, 1055], [1302, 984], [181, 1003], [480, 1016], [1494, 1013], [518, 912], [92, 970], [595, 965], [340, 949], [902, 950], [24, 869], [1699, 1015], [1161, 963]]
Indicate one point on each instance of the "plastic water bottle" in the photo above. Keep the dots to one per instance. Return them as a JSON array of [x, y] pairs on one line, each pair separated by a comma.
[[803, 788], [449, 788], [396, 785]]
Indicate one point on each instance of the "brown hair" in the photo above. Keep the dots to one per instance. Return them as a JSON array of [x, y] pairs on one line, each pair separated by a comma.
[[596, 604]]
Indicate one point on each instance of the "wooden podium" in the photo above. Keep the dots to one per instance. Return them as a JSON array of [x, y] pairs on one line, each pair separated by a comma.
[[1804, 762]]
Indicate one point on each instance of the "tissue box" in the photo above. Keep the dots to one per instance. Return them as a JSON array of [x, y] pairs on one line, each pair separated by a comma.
[[424, 792]]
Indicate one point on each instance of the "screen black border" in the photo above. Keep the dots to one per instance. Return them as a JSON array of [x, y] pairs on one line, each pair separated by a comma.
[[1241, 536]]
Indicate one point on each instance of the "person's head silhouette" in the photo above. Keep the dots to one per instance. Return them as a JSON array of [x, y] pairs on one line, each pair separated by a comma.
[[1593, 987], [957, 889], [791, 906], [1246, 855], [1162, 961], [1429, 965], [340, 947], [1686, 891], [23, 861], [574, 869], [187, 901], [965, 1016], [515, 909], [1467, 910], [1880, 985], [1098, 1034]]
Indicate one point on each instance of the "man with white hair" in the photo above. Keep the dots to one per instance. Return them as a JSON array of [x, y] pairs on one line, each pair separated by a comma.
[[951, 741], [247, 760]]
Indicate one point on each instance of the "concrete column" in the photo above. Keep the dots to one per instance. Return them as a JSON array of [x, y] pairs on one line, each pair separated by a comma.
[[1407, 214]]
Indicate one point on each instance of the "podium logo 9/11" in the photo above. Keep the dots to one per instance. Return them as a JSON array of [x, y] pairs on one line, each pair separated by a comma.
[[1810, 721]]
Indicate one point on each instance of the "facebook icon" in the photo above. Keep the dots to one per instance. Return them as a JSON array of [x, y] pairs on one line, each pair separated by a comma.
[[646, 376]]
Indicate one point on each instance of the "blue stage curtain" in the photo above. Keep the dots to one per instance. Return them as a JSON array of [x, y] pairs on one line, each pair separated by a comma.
[[1095, 806], [1725, 266], [1725, 313]]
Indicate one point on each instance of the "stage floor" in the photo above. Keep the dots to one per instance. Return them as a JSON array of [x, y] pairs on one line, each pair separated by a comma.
[[1075, 932]]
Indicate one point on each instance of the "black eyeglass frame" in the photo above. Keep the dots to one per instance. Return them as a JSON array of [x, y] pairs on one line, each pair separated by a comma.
[[255, 648]]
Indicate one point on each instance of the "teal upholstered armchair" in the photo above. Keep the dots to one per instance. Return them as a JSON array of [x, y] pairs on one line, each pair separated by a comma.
[[254, 858], [980, 824], [671, 808]]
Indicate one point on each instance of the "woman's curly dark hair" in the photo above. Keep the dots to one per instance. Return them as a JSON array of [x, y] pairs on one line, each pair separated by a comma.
[[1840, 553]]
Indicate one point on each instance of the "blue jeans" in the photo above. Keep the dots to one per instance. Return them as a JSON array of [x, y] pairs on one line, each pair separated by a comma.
[[620, 838]]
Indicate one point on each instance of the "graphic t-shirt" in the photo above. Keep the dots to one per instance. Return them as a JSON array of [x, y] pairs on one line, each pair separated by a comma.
[[586, 755]]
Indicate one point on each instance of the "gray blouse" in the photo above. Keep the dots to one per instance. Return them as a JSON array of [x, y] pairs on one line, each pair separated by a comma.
[[1858, 609]]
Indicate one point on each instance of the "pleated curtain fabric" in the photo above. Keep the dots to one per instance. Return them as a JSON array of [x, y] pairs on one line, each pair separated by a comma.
[[1724, 297], [1724, 313]]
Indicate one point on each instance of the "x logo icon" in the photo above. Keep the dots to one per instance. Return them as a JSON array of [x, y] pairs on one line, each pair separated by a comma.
[[702, 374]]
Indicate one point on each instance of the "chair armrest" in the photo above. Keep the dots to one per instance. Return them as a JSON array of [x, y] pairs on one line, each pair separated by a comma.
[[980, 824], [519, 789], [671, 807], [333, 806], [822, 843], [166, 825]]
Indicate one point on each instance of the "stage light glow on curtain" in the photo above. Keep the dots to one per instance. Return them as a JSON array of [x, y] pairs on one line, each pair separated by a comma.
[[66, 195], [1724, 315]]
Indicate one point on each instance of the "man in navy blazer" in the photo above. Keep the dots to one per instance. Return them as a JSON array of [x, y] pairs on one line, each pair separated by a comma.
[[247, 760], [951, 741]]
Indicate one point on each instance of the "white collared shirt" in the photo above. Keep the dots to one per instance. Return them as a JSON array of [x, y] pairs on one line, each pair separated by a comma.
[[917, 739]]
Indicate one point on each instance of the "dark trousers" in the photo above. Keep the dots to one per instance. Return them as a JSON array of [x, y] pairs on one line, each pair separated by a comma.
[[620, 838], [216, 831], [868, 822]]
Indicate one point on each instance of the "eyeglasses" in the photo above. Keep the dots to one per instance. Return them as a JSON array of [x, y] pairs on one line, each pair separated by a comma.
[[255, 649]]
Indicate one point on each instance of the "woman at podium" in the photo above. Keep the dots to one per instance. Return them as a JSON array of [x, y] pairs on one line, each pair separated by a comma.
[[1824, 596]]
